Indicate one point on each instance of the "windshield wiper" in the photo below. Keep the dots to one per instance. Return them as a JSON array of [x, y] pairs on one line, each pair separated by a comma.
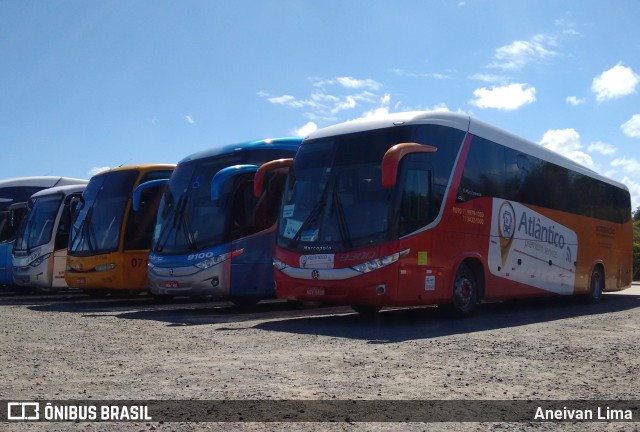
[[170, 225], [314, 214], [343, 227], [87, 230], [185, 223], [179, 219]]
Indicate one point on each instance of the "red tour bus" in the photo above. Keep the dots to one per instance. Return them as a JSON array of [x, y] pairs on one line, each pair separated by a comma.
[[439, 208]]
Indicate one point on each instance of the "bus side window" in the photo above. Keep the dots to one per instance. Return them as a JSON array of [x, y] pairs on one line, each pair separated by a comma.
[[62, 234], [243, 204], [140, 224], [417, 206], [250, 215], [484, 171]]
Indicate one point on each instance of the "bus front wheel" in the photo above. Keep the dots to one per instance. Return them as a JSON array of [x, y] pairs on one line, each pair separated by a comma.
[[465, 292], [596, 287], [366, 311]]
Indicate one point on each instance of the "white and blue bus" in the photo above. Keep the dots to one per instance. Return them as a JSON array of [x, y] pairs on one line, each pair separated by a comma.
[[212, 237], [14, 194], [40, 248]]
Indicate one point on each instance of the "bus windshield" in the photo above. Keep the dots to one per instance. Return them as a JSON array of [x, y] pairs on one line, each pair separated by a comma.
[[188, 219], [98, 220], [334, 200], [36, 228], [335, 197]]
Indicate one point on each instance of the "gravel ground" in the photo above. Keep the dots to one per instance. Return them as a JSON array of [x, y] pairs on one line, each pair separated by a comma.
[[68, 346]]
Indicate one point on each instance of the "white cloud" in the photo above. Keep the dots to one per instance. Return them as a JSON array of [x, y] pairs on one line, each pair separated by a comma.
[[574, 100], [634, 191], [602, 148], [189, 119], [403, 73], [614, 83], [567, 143], [439, 107], [508, 98], [519, 53], [282, 100], [349, 82], [566, 27], [348, 103], [347, 93], [489, 78], [631, 127], [378, 112], [97, 170], [381, 110], [628, 165], [305, 130]]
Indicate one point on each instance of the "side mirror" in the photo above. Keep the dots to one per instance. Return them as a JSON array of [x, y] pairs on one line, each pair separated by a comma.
[[137, 194], [393, 156], [258, 181], [72, 202], [220, 182]]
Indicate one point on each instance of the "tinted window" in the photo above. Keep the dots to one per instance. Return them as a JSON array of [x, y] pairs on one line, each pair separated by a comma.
[[492, 170], [415, 202]]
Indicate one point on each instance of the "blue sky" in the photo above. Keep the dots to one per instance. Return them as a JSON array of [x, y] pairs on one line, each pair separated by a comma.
[[92, 84]]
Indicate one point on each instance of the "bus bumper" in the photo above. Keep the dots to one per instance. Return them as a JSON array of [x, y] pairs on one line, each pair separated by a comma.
[[27, 275], [190, 281], [371, 289]]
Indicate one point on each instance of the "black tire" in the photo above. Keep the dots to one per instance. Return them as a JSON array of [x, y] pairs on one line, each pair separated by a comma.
[[596, 286], [46, 290], [245, 302], [96, 293], [161, 298], [366, 311], [465, 292]]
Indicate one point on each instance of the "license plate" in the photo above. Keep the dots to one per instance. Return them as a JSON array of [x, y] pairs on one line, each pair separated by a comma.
[[81, 280], [315, 291], [171, 284]]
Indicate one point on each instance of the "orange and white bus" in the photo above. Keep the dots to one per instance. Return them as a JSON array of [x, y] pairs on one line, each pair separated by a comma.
[[109, 242], [440, 208]]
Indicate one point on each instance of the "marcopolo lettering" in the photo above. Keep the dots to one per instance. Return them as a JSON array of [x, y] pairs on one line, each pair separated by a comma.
[[535, 229]]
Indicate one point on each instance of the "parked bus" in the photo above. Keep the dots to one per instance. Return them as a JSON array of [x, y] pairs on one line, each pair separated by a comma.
[[109, 243], [439, 208], [14, 194], [212, 237], [40, 249]]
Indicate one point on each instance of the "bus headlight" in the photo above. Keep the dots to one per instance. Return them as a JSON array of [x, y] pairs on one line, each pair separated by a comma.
[[378, 263], [105, 267], [36, 262], [212, 261], [279, 265]]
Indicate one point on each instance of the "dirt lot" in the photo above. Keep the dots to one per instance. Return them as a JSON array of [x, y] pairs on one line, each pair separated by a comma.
[[68, 346]]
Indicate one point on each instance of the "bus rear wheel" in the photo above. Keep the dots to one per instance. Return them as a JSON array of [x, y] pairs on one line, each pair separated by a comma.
[[465, 292], [596, 287], [245, 302]]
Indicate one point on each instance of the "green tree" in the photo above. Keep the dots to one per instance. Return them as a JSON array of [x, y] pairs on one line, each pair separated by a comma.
[[636, 244]]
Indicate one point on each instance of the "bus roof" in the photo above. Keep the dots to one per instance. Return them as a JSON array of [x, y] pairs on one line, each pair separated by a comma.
[[137, 167], [65, 190], [40, 181], [465, 123], [275, 143]]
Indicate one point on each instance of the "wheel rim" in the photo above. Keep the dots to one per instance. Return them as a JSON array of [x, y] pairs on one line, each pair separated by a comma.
[[464, 292]]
